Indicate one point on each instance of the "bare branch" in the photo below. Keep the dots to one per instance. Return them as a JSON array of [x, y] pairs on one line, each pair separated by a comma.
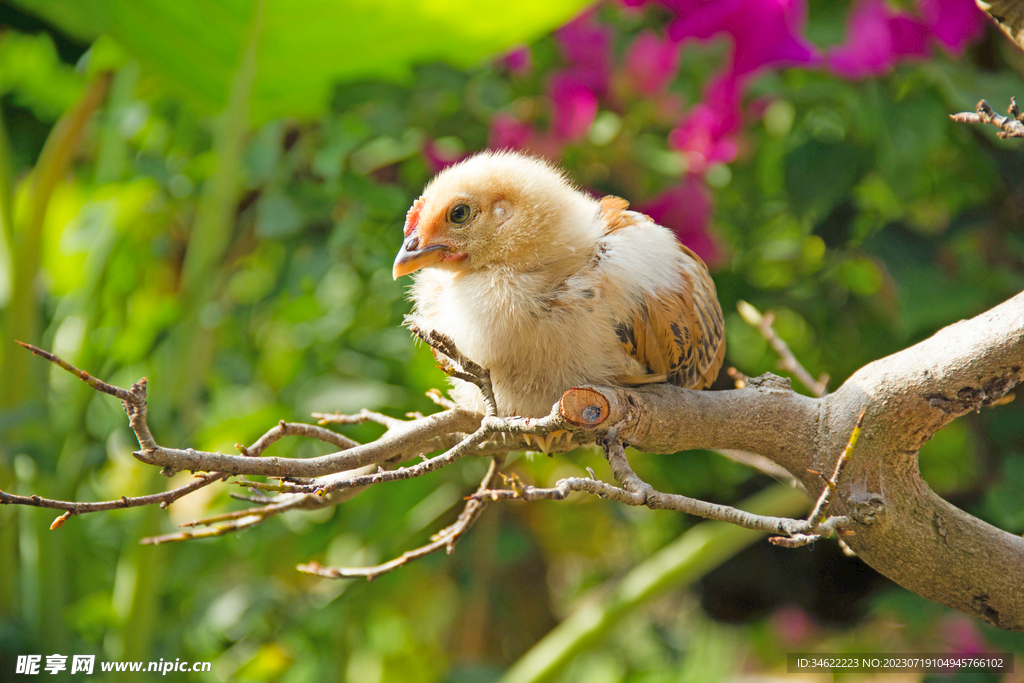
[[444, 539], [97, 384], [267, 507], [817, 516], [416, 436], [438, 398], [162, 499], [1011, 126], [821, 507], [283, 429], [134, 401], [449, 457], [787, 361], [901, 527], [359, 418], [635, 491]]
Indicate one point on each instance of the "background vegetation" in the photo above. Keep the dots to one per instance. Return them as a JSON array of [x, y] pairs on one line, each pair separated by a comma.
[[211, 195]]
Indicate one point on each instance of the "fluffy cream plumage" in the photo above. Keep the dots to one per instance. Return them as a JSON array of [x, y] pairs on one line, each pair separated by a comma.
[[550, 289]]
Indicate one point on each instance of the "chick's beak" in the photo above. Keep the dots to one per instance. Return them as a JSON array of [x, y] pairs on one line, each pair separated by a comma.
[[413, 256]]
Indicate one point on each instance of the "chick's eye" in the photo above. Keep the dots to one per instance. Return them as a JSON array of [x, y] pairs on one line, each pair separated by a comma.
[[460, 213]]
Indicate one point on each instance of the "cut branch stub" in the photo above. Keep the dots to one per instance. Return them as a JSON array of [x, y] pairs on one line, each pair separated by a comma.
[[584, 407]]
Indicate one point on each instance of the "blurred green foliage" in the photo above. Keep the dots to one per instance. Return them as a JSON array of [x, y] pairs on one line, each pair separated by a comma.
[[242, 263], [297, 48]]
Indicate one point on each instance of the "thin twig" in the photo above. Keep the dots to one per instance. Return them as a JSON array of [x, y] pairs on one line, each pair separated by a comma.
[[268, 507], [162, 499], [444, 539], [635, 491], [438, 398], [359, 418], [258, 499], [283, 429], [97, 384], [134, 401], [412, 438], [817, 516], [449, 457], [243, 519], [787, 361], [238, 524], [1011, 126]]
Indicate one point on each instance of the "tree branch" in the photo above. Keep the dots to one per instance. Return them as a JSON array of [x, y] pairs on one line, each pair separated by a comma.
[[162, 499], [635, 491], [444, 539], [901, 527], [787, 361], [1011, 126], [896, 523]]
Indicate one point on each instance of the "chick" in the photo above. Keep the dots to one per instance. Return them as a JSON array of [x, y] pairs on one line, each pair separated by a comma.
[[549, 288]]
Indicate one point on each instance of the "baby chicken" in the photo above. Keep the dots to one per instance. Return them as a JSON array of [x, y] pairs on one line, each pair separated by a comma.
[[549, 288]]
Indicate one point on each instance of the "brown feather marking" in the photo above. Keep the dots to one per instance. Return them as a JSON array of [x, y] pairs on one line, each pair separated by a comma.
[[679, 333], [615, 214]]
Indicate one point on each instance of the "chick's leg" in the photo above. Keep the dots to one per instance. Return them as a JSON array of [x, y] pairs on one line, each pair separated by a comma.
[[456, 364]]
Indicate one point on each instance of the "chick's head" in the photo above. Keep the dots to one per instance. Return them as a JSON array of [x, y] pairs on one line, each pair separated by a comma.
[[493, 209]]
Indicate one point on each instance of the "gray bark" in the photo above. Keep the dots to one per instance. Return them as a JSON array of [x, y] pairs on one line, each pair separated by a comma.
[[902, 528]]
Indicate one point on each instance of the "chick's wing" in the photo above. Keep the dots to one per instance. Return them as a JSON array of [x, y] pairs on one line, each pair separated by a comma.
[[677, 333]]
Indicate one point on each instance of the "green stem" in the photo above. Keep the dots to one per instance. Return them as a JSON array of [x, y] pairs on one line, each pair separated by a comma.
[[21, 317], [8, 527], [6, 194], [215, 220], [191, 344], [691, 556]]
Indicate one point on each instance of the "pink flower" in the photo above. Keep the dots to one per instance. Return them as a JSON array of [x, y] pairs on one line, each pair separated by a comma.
[[961, 636], [518, 62], [909, 36], [652, 63], [706, 134], [508, 132], [954, 23], [586, 46], [574, 107], [764, 32], [686, 210], [791, 625], [876, 37]]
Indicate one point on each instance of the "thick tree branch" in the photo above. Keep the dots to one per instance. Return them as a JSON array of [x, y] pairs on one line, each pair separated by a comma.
[[901, 527]]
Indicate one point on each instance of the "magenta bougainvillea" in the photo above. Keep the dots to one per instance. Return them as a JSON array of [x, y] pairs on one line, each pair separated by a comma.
[[762, 35]]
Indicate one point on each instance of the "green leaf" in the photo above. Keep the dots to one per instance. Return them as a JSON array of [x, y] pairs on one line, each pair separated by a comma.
[[820, 174], [303, 46]]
